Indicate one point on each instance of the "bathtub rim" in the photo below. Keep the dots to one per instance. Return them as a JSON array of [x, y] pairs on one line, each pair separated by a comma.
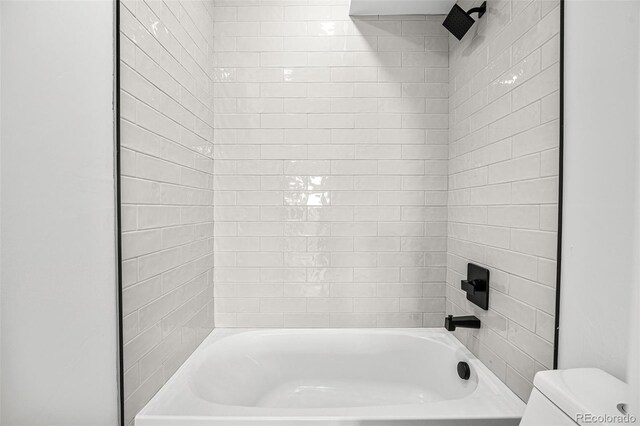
[[491, 387]]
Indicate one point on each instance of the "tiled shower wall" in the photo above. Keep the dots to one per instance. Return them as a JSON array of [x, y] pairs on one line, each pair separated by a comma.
[[339, 143], [167, 212], [331, 150], [503, 183]]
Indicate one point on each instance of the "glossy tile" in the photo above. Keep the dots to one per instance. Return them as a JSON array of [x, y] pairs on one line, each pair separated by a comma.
[[167, 180], [502, 188], [323, 146]]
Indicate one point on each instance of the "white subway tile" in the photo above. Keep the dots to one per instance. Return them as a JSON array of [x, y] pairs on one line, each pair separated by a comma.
[[504, 135], [538, 243], [307, 105], [513, 170], [378, 304], [283, 305], [377, 90], [283, 29], [537, 191], [283, 59], [259, 44], [351, 320], [547, 82], [172, 206], [260, 320], [354, 167], [333, 304], [330, 121], [403, 319]]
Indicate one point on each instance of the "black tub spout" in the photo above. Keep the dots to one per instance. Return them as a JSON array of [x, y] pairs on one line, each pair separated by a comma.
[[469, 321]]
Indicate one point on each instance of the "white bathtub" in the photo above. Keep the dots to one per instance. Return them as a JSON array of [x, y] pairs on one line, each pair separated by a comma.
[[331, 377]]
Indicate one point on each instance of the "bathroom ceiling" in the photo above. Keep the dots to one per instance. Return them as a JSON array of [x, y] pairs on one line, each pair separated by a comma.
[[400, 7]]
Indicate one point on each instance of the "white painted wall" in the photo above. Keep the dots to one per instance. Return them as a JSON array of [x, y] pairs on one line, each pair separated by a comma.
[[58, 308], [0, 214], [634, 332], [600, 183]]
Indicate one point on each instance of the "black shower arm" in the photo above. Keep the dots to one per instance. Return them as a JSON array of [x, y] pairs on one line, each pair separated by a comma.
[[480, 10]]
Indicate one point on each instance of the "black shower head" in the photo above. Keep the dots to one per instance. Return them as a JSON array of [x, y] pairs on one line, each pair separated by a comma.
[[458, 22]]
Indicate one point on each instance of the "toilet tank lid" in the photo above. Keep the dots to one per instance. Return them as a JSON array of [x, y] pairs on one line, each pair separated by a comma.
[[583, 391]]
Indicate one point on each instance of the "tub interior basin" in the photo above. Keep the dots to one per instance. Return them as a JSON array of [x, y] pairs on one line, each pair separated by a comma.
[[328, 370]]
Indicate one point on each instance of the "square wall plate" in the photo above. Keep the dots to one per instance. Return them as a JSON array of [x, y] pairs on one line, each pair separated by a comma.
[[480, 298]]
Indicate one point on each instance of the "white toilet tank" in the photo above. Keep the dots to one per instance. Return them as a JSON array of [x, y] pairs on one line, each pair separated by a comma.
[[581, 396]]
